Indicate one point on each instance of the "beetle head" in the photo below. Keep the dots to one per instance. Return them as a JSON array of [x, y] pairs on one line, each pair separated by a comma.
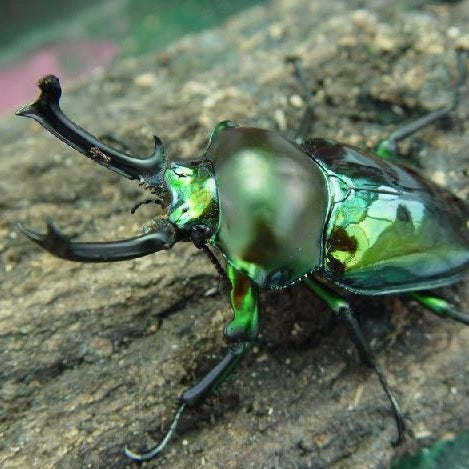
[[186, 192]]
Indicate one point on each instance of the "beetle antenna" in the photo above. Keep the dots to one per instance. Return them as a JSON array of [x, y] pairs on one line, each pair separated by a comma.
[[160, 447], [46, 110], [156, 200]]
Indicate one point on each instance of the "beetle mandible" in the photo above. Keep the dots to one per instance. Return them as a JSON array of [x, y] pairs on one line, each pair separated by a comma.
[[281, 212]]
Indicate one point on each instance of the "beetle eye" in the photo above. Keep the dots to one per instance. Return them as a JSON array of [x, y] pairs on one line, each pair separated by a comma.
[[182, 172]]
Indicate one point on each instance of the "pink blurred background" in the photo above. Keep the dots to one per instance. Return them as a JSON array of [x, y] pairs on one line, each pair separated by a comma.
[[65, 59]]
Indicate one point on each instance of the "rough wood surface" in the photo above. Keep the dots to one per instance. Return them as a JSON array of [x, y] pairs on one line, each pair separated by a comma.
[[95, 356]]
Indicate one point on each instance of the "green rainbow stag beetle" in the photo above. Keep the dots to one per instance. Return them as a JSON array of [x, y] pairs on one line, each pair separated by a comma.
[[317, 212]]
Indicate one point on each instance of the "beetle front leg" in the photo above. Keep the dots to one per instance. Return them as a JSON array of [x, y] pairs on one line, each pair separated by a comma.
[[239, 333], [307, 120], [345, 314]]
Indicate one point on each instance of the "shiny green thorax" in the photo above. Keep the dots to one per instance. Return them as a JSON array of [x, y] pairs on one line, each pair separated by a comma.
[[273, 201], [262, 199]]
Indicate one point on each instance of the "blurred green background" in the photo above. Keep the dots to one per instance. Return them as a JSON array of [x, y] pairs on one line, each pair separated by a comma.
[[74, 37]]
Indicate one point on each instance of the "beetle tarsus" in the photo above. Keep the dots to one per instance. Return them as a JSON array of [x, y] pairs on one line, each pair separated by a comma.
[[61, 246], [193, 395], [160, 447]]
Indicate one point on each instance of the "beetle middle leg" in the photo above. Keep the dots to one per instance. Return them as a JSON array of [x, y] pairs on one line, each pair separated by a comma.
[[439, 306], [239, 334], [344, 313]]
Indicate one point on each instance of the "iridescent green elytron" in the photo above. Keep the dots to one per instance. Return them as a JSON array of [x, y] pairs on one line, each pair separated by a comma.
[[388, 230], [280, 213]]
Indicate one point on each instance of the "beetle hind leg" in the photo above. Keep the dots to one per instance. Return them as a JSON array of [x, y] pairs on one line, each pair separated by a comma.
[[344, 313]]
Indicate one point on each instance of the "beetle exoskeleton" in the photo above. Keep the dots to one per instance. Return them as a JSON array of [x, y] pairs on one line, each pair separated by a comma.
[[280, 212]]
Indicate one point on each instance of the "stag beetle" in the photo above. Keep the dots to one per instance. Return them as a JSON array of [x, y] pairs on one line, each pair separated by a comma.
[[282, 212]]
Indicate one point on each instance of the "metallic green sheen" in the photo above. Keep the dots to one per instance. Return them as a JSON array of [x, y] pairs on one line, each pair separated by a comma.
[[273, 202], [388, 230], [193, 195], [244, 297]]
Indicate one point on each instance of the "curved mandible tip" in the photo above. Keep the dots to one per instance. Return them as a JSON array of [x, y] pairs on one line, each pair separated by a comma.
[[161, 238], [52, 240]]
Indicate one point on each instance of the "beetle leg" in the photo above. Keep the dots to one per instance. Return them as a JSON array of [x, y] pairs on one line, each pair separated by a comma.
[[344, 313], [60, 246], [199, 236], [244, 298], [440, 307], [387, 149], [193, 395], [239, 333], [307, 120]]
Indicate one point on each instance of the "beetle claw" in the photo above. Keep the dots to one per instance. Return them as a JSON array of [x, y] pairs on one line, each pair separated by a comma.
[[160, 447]]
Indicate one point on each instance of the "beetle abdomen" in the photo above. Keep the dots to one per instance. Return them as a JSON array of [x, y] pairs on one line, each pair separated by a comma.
[[388, 231], [273, 204]]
